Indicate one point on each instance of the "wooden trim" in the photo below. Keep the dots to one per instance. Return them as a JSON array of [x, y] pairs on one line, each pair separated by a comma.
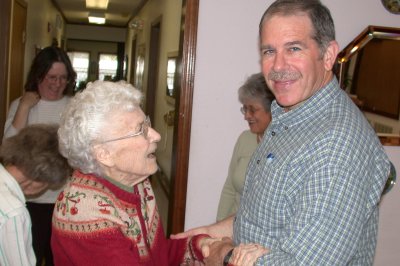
[[389, 139], [5, 20], [181, 142], [364, 37]]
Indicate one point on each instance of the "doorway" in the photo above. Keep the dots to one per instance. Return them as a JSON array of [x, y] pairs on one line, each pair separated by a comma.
[[5, 14], [154, 51], [133, 63], [17, 50]]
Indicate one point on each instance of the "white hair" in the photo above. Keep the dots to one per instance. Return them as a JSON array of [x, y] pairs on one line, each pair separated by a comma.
[[87, 115]]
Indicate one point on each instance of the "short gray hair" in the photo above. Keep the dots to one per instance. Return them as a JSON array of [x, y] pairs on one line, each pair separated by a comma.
[[34, 151], [87, 115], [255, 88]]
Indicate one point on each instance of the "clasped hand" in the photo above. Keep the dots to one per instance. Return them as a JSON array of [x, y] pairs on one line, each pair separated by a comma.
[[215, 249]]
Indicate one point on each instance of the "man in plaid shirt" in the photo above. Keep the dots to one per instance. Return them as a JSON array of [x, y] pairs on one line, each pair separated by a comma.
[[313, 185]]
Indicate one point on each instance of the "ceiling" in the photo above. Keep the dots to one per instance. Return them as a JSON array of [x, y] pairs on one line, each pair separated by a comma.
[[118, 12]]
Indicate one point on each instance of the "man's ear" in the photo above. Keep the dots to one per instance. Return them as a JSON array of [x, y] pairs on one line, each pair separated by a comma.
[[103, 155], [330, 55]]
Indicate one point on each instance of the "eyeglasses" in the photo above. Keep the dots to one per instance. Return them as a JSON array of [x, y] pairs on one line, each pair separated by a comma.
[[54, 79], [251, 110], [144, 129]]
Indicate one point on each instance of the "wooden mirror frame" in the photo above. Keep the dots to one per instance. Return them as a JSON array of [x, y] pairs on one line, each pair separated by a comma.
[[359, 42], [371, 32]]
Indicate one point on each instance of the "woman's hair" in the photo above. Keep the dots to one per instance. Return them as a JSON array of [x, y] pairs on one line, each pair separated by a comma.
[[255, 88], [87, 118], [34, 151], [320, 16], [41, 65]]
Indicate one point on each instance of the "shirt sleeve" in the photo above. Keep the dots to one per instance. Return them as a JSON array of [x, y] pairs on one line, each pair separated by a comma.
[[16, 241], [107, 248], [9, 129], [227, 199]]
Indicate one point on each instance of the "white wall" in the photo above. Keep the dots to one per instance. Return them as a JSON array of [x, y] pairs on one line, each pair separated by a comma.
[[95, 33], [226, 54]]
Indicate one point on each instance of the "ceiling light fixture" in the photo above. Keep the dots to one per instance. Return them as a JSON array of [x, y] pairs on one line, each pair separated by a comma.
[[97, 4], [137, 24], [97, 18]]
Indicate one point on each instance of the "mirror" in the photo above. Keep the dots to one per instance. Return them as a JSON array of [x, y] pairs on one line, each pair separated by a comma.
[[369, 70], [171, 73]]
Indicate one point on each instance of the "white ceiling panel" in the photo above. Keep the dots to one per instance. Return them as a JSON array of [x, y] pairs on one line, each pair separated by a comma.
[[118, 12]]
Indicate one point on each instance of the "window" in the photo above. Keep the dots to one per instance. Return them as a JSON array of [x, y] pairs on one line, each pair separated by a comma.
[[80, 63], [108, 64], [171, 69]]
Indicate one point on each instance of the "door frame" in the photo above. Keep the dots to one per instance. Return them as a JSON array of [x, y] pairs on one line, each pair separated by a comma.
[[154, 55], [183, 103], [17, 51], [5, 22]]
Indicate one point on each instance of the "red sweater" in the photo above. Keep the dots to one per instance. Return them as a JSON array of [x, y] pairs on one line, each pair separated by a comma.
[[98, 223]]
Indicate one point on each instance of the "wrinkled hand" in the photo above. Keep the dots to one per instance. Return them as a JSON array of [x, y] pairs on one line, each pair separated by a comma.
[[247, 254], [29, 99], [217, 252], [205, 244]]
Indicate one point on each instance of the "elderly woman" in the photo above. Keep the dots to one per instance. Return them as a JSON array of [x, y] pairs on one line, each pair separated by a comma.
[[256, 99], [107, 214]]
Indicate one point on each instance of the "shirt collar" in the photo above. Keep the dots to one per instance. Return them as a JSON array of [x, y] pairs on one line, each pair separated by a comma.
[[11, 183], [310, 107]]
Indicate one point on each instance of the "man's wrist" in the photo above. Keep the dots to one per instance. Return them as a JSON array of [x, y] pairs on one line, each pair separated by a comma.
[[227, 257]]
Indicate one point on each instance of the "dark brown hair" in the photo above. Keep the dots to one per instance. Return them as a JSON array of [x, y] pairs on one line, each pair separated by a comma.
[[41, 65]]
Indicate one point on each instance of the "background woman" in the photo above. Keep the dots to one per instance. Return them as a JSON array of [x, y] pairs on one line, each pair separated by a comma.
[[50, 81], [107, 213], [256, 99]]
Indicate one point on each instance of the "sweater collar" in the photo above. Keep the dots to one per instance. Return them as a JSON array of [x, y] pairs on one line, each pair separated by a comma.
[[122, 192], [119, 185]]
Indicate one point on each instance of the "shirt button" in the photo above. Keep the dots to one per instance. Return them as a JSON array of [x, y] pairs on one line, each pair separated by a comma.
[[273, 133]]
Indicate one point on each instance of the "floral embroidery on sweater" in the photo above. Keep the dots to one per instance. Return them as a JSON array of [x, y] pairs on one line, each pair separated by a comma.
[[87, 208]]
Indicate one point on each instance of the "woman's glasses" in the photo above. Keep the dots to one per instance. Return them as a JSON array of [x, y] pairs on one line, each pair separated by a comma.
[[251, 110], [54, 79], [144, 129]]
